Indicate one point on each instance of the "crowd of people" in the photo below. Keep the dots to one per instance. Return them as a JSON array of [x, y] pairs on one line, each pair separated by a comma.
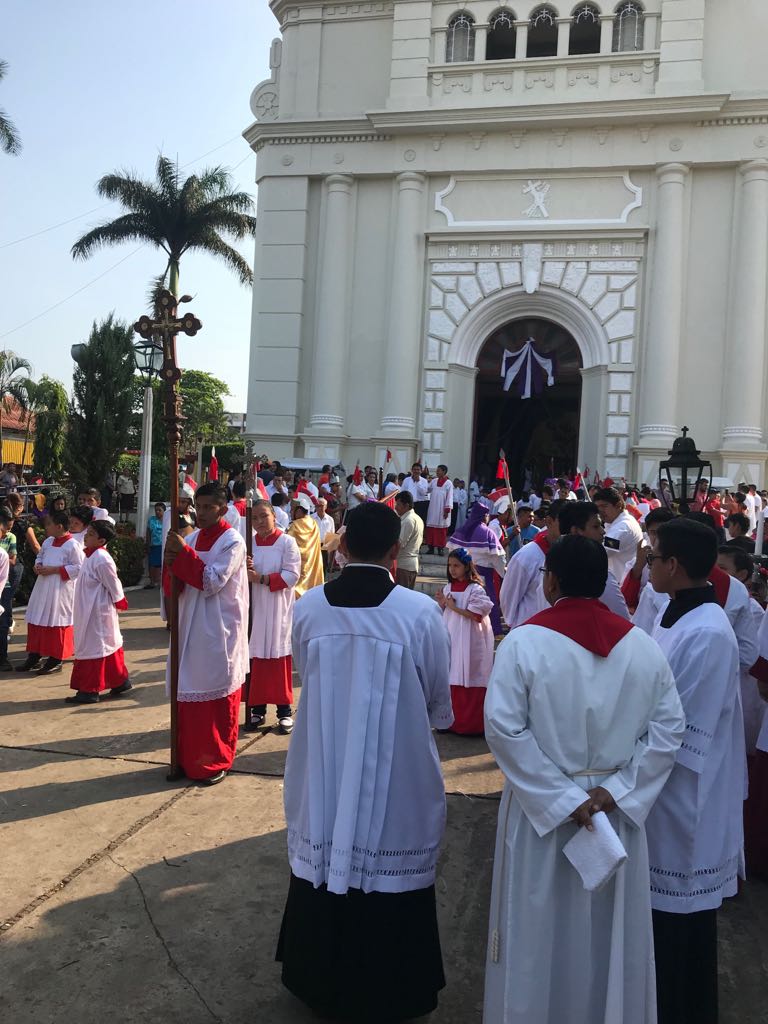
[[613, 652]]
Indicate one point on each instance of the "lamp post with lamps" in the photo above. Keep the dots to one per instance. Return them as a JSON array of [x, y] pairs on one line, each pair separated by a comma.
[[148, 357]]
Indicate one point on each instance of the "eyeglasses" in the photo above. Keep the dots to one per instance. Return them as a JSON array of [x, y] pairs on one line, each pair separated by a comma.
[[650, 558]]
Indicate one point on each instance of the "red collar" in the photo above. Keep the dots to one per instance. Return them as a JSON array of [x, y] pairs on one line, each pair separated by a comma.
[[721, 581], [586, 621], [92, 551], [542, 539], [207, 538], [59, 542], [267, 542], [460, 585]]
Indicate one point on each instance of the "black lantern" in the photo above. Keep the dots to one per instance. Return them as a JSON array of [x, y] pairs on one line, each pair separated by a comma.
[[683, 472], [148, 358]]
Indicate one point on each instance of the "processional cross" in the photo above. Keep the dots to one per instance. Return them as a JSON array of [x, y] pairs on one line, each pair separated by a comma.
[[161, 332]]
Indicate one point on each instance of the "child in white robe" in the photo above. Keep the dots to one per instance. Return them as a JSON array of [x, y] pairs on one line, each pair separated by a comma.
[[49, 612], [79, 520], [99, 659], [466, 614]]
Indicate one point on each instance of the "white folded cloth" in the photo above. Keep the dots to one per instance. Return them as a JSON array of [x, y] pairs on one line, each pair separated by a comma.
[[596, 855]]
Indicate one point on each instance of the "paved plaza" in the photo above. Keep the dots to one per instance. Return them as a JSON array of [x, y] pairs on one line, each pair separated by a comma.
[[126, 897]]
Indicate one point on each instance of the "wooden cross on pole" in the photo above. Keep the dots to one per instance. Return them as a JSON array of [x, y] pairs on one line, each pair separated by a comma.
[[163, 330]]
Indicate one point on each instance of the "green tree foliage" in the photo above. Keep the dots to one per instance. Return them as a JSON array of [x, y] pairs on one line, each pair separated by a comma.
[[10, 140], [102, 402], [202, 404], [14, 385], [50, 404]]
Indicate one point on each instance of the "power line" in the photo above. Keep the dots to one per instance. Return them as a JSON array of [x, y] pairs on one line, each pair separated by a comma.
[[73, 294]]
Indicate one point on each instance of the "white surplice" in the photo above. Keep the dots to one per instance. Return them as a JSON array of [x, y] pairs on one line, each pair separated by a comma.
[[440, 499], [753, 705], [272, 610], [695, 830], [94, 616], [557, 953], [521, 594], [627, 534], [213, 622], [471, 641], [364, 792], [52, 599]]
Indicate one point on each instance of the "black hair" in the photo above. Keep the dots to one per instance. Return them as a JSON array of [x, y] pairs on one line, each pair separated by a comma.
[[547, 489], [5, 516], [580, 565], [693, 544], [212, 490], [543, 510], [238, 489], [562, 482], [742, 560], [404, 498], [608, 494], [279, 499], [372, 530], [84, 513], [555, 507], [659, 515], [160, 504], [443, 466], [103, 529], [575, 514], [415, 465], [60, 518], [738, 519], [704, 519], [92, 493]]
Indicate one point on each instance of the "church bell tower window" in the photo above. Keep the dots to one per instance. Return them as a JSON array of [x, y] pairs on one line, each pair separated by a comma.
[[628, 26], [542, 33], [460, 40], [502, 36], [585, 30]]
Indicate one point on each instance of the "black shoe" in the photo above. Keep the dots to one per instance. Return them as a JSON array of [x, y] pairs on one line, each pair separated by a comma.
[[440, 552], [82, 697], [214, 780], [49, 665], [5, 665], [29, 664], [118, 691], [253, 720], [430, 550]]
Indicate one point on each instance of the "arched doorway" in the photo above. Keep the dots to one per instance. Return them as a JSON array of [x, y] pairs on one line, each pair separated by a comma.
[[540, 434]]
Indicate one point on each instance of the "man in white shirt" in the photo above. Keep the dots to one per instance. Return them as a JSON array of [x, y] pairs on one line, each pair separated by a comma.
[[622, 531], [751, 503], [418, 486], [411, 538], [276, 484], [365, 807], [324, 522], [279, 503]]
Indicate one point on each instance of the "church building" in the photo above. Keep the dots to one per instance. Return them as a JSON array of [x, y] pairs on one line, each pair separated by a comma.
[[536, 227]]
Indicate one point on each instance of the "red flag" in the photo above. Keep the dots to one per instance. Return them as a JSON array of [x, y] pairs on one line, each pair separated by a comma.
[[578, 481], [501, 467], [389, 456], [389, 500], [261, 489], [357, 476], [303, 489], [213, 468]]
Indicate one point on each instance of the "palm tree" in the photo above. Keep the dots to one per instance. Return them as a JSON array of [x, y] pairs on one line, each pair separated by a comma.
[[176, 216], [10, 140], [14, 378]]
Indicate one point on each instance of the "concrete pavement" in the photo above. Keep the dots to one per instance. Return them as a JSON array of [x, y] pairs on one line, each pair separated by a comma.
[[125, 896]]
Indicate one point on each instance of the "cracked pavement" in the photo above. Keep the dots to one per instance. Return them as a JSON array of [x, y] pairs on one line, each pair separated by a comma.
[[122, 894]]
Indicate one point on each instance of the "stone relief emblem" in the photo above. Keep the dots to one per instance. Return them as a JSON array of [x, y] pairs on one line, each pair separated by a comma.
[[265, 98], [538, 191]]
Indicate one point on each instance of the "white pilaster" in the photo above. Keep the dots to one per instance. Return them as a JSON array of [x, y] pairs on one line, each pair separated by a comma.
[[403, 364], [658, 412], [331, 343], [563, 36], [745, 354], [481, 41], [521, 40]]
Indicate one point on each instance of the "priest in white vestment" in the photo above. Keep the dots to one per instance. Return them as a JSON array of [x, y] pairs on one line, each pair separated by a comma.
[[273, 572], [521, 592], [695, 831], [582, 715], [622, 531], [49, 612], [439, 511], [364, 794], [213, 637]]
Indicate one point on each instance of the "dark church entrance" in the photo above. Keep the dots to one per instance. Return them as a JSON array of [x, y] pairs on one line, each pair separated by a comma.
[[540, 434]]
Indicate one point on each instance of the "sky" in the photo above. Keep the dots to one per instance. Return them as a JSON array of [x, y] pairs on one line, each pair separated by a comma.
[[96, 87]]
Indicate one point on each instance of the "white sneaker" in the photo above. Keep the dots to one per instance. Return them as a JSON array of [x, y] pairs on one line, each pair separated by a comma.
[[286, 725], [11, 628]]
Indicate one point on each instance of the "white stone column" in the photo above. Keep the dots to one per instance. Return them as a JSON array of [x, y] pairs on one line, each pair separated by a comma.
[[606, 33], [661, 357], [331, 341], [563, 36], [481, 42], [521, 40], [402, 374], [745, 344]]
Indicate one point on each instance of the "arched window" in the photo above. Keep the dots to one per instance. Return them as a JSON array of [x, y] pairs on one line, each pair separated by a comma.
[[585, 30], [460, 42], [628, 27], [502, 36], [542, 33]]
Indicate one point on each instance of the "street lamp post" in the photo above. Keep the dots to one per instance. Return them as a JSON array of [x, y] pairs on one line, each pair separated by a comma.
[[148, 357], [683, 471], [164, 327]]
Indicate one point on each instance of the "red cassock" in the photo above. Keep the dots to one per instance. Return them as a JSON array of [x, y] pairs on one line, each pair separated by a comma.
[[99, 660], [49, 612]]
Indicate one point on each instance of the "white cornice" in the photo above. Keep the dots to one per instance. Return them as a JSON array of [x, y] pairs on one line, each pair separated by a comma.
[[331, 130]]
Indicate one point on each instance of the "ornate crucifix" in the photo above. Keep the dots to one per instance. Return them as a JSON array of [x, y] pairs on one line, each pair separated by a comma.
[[162, 332]]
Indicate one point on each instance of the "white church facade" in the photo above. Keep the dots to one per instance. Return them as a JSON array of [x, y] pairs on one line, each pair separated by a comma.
[[439, 183]]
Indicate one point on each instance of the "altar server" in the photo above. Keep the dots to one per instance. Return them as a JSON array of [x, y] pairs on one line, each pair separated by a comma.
[[521, 592], [439, 511], [213, 636], [364, 793], [79, 521], [582, 716], [477, 538], [695, 833], [583, 519], [49, 612], [622, 532], [466, 609], [99, 659], [273, 573], [306, 534]]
